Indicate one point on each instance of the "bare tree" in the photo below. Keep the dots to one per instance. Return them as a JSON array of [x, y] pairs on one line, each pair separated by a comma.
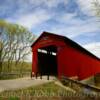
[[96, 7], [15, 44]]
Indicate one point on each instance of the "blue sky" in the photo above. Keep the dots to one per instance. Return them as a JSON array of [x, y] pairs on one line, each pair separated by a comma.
[[72, 18]]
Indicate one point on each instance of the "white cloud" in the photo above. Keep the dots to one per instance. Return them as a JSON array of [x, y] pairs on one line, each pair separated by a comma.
[[30, 13], [66, 18], [23, 6], [74, 27], [48, 3], [53, 3], [93, 48], [31, 20], [87, 6]]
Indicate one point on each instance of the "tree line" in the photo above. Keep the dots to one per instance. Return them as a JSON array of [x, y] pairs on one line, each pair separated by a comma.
[[15, 41]]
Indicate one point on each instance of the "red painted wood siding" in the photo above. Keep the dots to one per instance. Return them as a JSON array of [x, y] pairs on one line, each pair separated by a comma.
[[71, 61]]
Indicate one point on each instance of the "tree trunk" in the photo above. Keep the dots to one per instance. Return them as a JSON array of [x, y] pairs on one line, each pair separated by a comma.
[[0, 66]]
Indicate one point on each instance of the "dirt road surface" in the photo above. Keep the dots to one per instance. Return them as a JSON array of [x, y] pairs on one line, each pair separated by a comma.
[[22, 83]]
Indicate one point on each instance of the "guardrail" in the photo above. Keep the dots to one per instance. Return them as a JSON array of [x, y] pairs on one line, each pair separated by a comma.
[[13, 75], [80, 87]]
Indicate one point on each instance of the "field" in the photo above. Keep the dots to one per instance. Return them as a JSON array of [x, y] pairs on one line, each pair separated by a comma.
[[21, 70]]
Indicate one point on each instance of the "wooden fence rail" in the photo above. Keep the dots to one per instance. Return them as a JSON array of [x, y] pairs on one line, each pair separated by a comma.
[[80, 87], [13, 75]]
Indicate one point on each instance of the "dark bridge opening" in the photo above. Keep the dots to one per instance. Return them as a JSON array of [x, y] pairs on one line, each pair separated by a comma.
[[47, 60]]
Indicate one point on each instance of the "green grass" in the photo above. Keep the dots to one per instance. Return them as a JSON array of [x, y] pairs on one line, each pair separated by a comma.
[[20, 67], [46, 90], [21, 70]]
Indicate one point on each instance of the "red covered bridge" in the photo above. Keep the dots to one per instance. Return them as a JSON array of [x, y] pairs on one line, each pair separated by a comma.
[[58, 55]]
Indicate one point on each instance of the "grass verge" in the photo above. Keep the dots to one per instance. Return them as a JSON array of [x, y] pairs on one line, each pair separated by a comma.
[[45, 90], [48, 91]]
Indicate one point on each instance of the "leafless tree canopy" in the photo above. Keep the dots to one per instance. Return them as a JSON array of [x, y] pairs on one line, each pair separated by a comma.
[[15, 44]]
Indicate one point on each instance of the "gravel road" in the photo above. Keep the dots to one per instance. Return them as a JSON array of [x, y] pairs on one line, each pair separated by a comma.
[[22, 83]]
